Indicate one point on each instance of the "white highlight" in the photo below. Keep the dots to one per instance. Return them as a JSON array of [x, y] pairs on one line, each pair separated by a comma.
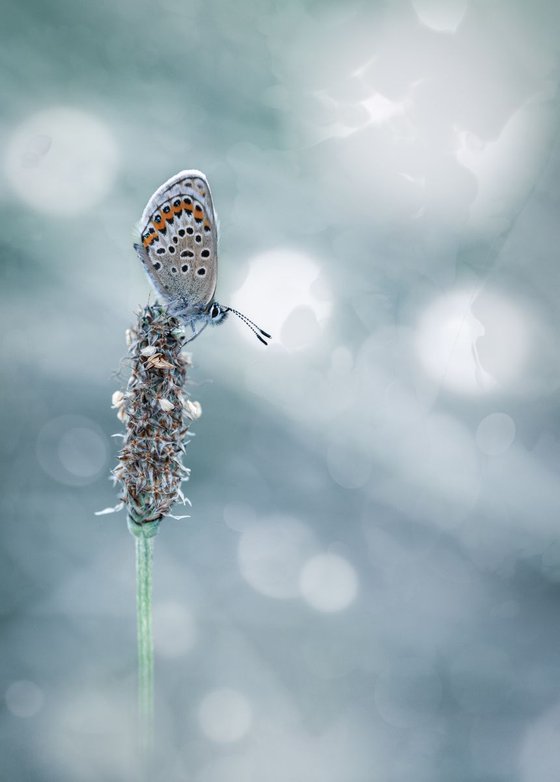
[[380, 109], [295, 303], [225, 716], [328, 583], [449, 336], [376, 109], [24, 698], [61, 161]]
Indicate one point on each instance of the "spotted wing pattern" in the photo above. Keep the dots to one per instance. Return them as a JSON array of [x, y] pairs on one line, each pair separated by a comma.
[[179, 243]]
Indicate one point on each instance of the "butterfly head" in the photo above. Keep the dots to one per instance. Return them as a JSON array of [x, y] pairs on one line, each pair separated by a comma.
[[217, 313]]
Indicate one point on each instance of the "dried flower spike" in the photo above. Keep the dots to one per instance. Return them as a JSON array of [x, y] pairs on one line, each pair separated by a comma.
[[157, 415]]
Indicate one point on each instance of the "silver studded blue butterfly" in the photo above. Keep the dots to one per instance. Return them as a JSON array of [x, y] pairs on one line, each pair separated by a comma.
[[179, 252]]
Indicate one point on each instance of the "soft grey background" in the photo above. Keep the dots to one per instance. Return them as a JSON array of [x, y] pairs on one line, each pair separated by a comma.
[[368, 586]]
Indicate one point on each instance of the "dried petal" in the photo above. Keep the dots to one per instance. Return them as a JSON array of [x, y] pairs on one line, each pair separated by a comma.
[[166, 405], [117, 399], [160, 363], [105, 511], [192, 409]]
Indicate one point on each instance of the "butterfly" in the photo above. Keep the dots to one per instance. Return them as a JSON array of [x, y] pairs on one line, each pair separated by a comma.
[[179, 252]]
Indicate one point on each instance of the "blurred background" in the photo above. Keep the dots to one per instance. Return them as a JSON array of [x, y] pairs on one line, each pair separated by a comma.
[[368, 587]]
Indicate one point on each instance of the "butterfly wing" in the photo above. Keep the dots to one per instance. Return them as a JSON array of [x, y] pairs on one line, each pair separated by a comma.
[[179, 243]]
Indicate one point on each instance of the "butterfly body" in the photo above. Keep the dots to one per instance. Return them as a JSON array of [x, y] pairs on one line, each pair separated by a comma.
[[179, 251]]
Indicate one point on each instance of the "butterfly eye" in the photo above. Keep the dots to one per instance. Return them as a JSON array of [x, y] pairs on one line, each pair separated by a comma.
[[215, 312]]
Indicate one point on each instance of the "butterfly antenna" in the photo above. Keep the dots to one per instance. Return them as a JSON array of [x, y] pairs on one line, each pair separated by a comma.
[[253, 326]]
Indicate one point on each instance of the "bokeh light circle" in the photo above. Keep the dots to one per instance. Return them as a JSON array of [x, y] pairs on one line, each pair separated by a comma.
[[24, 698], [348, 465], [225, 716], [540, 748], [271, 555], [495, 433], [328, 583], [72, 450], [444, 16], [61, 161], [295, 301]]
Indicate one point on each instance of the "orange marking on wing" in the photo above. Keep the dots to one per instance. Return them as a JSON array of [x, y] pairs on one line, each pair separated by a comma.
[[158, 223], [147, 241], [177, 209]]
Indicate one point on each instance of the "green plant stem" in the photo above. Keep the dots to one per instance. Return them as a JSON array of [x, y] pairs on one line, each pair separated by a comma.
[[144, 553], [144, 541]]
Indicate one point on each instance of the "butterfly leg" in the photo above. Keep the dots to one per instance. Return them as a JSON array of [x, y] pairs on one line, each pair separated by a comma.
[[195, 332]]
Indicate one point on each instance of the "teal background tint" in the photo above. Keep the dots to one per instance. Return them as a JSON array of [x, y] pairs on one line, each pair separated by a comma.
[[367, 587]]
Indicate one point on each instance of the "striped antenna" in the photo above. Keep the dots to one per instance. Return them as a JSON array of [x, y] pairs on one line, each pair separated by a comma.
[[253, 326]]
